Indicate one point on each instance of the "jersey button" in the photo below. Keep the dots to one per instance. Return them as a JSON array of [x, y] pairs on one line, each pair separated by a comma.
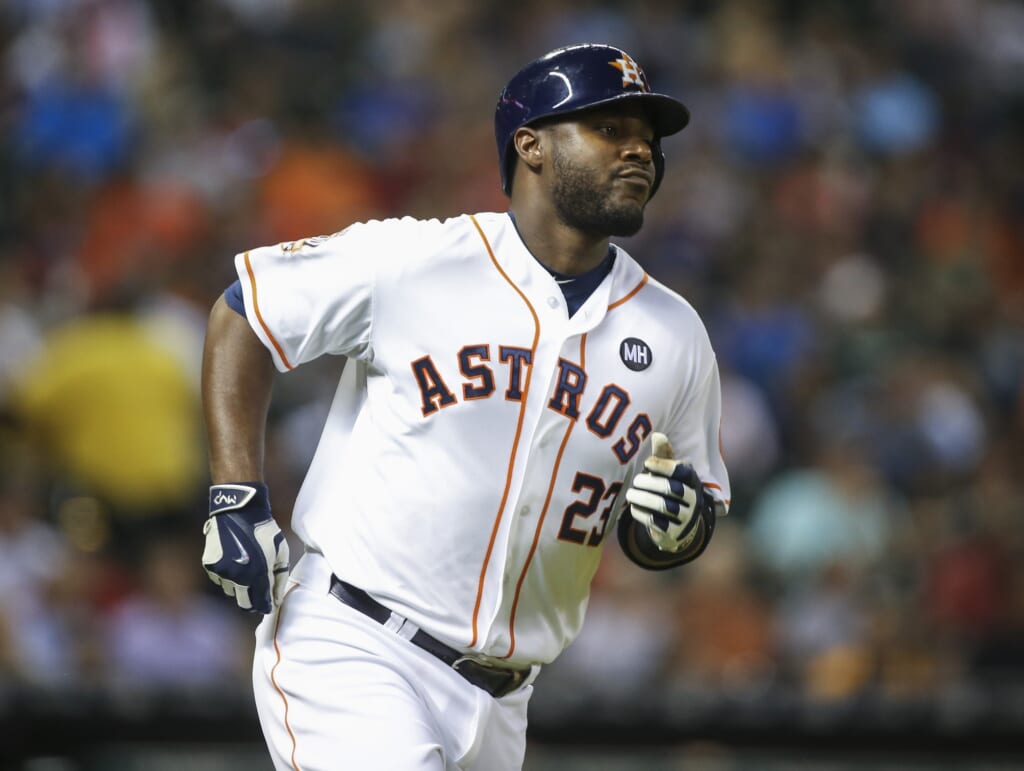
[[524, 511], [553, 302]]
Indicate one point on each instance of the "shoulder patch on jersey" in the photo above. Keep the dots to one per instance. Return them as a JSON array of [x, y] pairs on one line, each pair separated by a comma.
[[291, 247], [635, 353]]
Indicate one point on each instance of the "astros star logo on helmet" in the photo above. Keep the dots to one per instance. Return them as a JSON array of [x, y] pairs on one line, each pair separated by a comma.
[[631, 72]]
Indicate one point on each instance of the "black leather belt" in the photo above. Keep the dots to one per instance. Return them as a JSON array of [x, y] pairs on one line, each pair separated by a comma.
[[495, 680]]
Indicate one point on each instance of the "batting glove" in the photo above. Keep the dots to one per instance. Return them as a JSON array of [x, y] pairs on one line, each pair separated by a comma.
[[246, 553], [668, 499]]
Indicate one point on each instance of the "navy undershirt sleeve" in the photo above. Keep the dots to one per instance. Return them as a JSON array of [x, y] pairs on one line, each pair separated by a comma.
[[233, 297]]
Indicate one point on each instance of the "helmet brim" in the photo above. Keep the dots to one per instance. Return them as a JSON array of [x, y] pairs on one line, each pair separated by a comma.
[[668, 116]]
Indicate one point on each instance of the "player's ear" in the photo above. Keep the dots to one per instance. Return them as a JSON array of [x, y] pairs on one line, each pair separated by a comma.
[[527, 142]]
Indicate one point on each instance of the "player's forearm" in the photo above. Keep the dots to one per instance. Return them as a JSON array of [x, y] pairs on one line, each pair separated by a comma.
[[238, 375]]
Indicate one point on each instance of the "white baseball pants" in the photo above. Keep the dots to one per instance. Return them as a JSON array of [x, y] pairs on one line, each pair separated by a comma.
[[335, 690]]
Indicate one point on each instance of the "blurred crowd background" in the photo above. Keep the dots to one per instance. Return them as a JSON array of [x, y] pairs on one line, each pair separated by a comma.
[[846, 212]]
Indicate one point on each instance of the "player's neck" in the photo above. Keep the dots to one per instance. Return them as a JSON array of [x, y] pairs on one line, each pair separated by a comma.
[[558, 246]]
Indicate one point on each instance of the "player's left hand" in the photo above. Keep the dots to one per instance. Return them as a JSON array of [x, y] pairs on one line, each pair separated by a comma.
[[246, 553], [668, 498]]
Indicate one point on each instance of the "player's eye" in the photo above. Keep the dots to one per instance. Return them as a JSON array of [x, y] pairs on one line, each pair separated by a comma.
[[607, 129]]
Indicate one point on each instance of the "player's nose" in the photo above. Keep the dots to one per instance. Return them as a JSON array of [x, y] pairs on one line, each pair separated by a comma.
[[635, 146], [637, 150]]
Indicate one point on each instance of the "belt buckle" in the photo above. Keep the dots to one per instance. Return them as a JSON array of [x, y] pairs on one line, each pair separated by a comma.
[[515, 682], [467, 659], [513, 678]]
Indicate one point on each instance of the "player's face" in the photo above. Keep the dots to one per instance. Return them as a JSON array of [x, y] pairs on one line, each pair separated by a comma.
[[603, 170]]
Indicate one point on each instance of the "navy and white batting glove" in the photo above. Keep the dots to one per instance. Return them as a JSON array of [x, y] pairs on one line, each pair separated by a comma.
[[246, 553], [668, 498]]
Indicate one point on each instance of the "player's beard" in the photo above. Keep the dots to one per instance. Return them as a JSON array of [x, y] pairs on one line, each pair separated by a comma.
[[582, 202]]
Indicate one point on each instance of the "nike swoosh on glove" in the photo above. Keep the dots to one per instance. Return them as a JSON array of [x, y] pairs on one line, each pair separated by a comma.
[[246, 553], [668, 498]]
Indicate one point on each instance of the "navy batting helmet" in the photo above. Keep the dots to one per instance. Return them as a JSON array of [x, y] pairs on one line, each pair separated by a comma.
[[575, 78]]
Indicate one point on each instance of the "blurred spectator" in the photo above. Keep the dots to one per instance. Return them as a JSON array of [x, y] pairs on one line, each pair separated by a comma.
[[314, 188], [823, 634], [135, 234], [763, 122], [762, 335], [50, 593], [751, 440], [63, 635], [724, 645], [966, 587], [626, 639], [810, 520], [20, 333], [33, 554], [80, 128], [896, 114], [32, 549], [117, 415], [168, 632], [927, 425], [998, 658]]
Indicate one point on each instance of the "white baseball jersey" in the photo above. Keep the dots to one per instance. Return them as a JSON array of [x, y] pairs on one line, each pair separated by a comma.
[[480, 442]]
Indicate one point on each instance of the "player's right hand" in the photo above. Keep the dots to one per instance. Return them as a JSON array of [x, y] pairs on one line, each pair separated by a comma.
[[246, 553]]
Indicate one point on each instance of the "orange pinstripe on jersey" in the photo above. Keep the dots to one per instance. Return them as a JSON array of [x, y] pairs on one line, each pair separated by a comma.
[[543, 514], [631, 294], [273, 678], [515, 441], [259, 316], [727, 502]]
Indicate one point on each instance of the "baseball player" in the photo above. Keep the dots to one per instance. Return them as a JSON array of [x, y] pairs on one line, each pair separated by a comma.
[[517, 389]]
